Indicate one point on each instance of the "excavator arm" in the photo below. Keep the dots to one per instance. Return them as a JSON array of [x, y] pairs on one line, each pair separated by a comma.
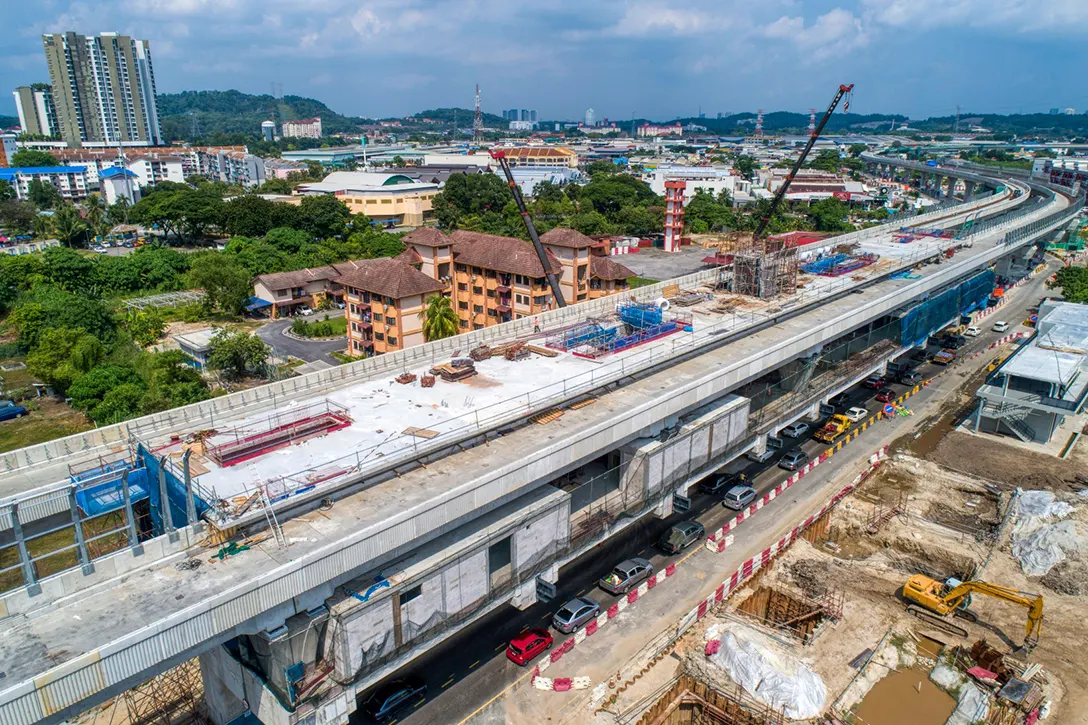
[[1032, 602]]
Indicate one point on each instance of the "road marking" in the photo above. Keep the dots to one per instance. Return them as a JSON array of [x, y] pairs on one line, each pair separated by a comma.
[[502, 692], [545, 615], [474, 664], [447, 682], [419, 703], [501, 646]]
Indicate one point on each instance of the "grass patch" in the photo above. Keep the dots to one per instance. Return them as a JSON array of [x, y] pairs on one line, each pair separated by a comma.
[[636, 282], [48, 419], [333, 327], [344, 359]]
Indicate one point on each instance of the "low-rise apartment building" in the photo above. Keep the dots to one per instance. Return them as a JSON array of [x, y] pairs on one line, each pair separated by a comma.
[[387, 198], [302, 128], [572, 249], [540, 156], [71, 181], [385, 301], [287, 291]]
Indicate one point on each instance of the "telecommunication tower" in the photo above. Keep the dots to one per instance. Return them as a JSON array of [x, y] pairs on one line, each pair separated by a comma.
[[477, 118], [811, 121], [759, 124]]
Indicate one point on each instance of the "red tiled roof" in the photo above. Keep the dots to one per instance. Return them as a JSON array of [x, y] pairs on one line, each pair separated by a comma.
[[567, 238], [503, 254], [390, 278], [427, 237], [605, 268], [538, 151], [409, 256]]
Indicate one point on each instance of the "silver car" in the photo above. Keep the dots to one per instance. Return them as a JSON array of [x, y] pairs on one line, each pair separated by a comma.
[[738, 497], [575, 613], [627, 575]]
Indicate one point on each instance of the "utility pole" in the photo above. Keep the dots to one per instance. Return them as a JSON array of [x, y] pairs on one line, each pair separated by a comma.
[[956, 127], [477, 119]]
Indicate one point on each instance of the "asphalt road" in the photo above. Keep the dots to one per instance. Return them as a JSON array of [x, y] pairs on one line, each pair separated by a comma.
[[308, 350]]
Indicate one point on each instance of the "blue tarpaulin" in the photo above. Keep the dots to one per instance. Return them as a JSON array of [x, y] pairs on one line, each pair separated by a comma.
[[925, 318], [256, 303]]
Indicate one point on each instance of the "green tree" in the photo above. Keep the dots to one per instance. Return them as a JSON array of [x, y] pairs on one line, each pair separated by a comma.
[[275, 186], [68, 224], [95, 208], [17, 217], [1073, 282], [32, 157], [118, 211], [119, 404], [90, 389], [63, 354], [439, 319], [469, 195], [324, 215], [47, 306], [745, 166], [235, 354], [248, 216], [7, 191], [43, 194], [857, 149], [146, 326], [68, 269], [224, 281]]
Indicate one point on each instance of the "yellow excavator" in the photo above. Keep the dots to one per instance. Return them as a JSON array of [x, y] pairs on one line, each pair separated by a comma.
[[953, 598]]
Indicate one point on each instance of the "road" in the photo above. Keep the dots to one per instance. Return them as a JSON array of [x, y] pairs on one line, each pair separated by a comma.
[[308, 350], [470, 668]]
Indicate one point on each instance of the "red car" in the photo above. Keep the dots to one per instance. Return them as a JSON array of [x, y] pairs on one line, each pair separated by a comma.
[[528, 645], [886, 395], [876, 382]]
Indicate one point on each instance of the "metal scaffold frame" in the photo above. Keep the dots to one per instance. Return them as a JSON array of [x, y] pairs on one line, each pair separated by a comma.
[[765, 269], [176, 697]]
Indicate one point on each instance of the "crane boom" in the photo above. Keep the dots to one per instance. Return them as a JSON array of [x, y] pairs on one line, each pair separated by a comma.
[[781, 193], [553, 281]]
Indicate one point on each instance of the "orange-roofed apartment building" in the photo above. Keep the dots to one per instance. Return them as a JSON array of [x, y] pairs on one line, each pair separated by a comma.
[[489, 279], [384, 301]]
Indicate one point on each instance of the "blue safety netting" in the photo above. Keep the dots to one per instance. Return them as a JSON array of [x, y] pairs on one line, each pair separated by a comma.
[[107, 494], [925, 318], [640, 316], [175, 494]]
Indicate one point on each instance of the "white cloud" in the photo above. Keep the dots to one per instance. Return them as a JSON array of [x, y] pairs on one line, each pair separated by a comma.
[[1017, 16]]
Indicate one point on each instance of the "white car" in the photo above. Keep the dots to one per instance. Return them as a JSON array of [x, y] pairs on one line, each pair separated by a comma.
[[795, 430], [1000, 326], [972, 331], [305, 311], [856, 414], [98, 248]]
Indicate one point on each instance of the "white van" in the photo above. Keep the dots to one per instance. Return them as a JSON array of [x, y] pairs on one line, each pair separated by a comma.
[[1000, 326], [973, 331]]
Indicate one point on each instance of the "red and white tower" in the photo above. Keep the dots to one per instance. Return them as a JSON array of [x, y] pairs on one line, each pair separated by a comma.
[[759, 124], [674, 214], [812, 122]]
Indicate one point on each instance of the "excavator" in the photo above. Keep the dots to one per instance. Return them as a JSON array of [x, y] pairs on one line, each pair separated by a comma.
[[943, 599]]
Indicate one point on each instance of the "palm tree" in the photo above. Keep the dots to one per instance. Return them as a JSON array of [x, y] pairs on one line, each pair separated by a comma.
[[439, 319], [67, 223], [42, 226], [95, 207]]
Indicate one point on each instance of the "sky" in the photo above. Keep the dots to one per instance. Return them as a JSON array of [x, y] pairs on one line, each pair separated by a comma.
[[647, 58]]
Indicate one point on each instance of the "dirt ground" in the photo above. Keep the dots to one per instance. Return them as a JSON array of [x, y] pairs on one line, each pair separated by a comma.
[[988, 458], [945, 526]]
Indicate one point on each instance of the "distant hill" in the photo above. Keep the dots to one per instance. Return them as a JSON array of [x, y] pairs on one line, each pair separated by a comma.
[[236, 112], [9, 121], [461, 116]]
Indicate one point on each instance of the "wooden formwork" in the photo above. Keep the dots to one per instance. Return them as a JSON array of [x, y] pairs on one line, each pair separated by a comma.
[[691, 701], [799, 616]]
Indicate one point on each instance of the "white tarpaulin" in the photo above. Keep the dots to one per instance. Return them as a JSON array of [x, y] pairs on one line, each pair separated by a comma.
[[1037, 543], [771, 677]]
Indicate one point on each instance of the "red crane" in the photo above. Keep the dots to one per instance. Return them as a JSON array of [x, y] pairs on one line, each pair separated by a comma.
[[553, 281], [844, 90]]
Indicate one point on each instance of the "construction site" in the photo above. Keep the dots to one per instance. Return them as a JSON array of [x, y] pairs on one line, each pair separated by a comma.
[[827, 632]]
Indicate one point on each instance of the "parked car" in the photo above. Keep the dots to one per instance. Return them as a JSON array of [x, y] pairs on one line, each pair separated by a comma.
[[910, 377], [98, 249], [393, 696], [575, 613], [763, 457], [627, 575], [738, 497], [954, 342], [680, 536], [886, 395], [875, 382], [304, 311], [717, 483], [9, 410], [856, 414], [973, 331], [920, 354], [837, 400], [795, 430], [1000, 326], [527, 645], [793, 460]]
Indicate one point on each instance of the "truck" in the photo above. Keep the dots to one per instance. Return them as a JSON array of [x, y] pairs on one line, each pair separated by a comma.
[[944, 357], [834, 428]]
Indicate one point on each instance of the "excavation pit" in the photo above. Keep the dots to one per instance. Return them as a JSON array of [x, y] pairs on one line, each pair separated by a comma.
[[796, 615]]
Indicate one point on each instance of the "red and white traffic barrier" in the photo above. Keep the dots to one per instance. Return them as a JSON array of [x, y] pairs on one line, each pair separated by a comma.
[[563, 684], [1008, 338]]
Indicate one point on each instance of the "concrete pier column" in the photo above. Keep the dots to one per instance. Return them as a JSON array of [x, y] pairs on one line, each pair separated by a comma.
[[968, 190]]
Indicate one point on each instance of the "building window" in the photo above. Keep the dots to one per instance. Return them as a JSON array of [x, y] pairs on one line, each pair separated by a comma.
[[378, 317], [519, 279], [379, 336], [491, 293], [477, 290], [409, 594], [538, 300], [462, 305], [462, 287], [464, 324], [477, 309], [491, 274], [477, 270], [392, 340], [490, 313], [462, 268], [581, 296], [390, 320], [477, 326], [521, 299]]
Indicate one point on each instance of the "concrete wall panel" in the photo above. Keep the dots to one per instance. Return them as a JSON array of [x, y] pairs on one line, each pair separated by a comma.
[[367, 635], [541, 538], [700, 447]]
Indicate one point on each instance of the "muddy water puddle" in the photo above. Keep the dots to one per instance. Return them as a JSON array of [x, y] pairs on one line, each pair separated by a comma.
[[905, 697]]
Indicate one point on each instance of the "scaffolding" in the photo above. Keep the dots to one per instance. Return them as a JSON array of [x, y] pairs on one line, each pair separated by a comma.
[[765, 269], [176, 697], [693, 701], [228, 448]]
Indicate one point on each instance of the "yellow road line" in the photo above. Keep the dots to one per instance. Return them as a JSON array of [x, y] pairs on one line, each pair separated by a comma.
[[447, 682], [474, 664]]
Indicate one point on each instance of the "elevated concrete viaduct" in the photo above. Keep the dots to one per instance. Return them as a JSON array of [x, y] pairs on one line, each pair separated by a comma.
[[408, 544]]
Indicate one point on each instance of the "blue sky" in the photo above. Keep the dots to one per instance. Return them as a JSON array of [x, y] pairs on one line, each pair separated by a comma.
[[650, 58]]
